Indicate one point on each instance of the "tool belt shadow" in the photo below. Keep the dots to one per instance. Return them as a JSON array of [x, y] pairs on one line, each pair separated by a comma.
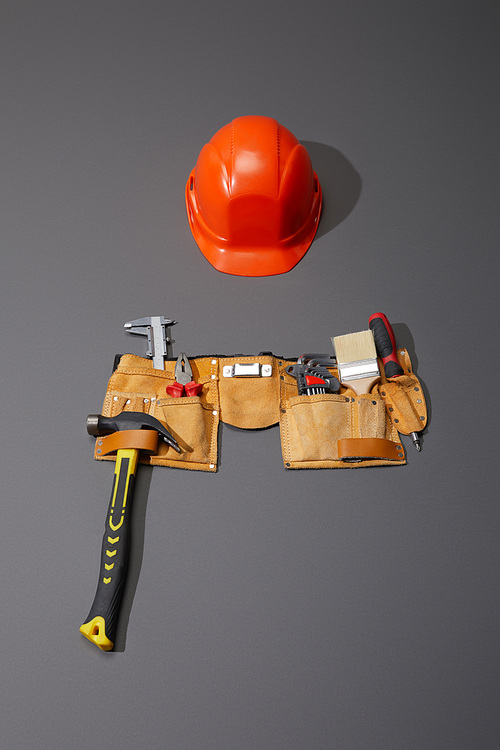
[[329, 430]]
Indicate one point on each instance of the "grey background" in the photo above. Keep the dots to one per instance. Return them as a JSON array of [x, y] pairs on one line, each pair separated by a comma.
[[265, 609]]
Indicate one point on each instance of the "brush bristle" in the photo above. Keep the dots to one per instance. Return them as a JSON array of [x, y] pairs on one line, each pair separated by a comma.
[[353, 347]]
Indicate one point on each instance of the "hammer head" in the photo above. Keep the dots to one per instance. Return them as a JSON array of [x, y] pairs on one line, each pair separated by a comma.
[[98, 425]]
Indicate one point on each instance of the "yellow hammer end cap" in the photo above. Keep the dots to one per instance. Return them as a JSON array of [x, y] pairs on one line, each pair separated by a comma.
[[95, 631]]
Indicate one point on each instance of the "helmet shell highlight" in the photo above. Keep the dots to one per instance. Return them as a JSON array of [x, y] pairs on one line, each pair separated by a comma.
[[253, 200]]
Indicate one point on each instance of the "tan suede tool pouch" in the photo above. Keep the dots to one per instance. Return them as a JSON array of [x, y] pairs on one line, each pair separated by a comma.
[[335, 431], [245, 401], [255, 392], [345, 430], [136, 386], [404, 398]]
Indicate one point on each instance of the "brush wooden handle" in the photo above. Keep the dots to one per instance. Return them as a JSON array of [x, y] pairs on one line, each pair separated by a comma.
[[361, 386], [386, 344]]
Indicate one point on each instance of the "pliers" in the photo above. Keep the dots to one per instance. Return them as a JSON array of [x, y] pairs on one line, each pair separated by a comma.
[[184, 383]]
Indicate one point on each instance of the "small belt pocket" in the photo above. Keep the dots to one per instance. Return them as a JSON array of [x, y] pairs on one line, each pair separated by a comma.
[[249, 392], [194, 424], [118, 401], [405, 404], [312, 426]]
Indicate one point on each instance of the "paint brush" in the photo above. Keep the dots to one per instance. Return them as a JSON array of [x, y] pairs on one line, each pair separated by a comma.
[[357, 360]]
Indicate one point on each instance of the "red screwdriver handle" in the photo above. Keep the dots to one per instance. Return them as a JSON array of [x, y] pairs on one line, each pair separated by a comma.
[[193, 389], [386, 344], [175, 390]]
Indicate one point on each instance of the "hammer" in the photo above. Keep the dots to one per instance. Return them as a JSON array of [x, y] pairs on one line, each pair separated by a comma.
[[127, 433]]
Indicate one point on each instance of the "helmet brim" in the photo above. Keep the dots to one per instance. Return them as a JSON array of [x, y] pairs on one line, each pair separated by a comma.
[[247, 260]]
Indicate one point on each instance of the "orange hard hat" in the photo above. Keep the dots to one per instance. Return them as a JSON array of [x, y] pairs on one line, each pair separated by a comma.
[[253, 200]]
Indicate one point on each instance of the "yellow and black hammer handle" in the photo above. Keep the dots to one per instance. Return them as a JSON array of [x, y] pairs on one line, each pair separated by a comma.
[[100, 625], [127, 434]]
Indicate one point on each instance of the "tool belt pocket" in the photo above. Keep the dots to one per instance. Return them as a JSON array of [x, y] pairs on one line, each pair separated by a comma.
[[193, 421], [405, 403], [117, 401], [336, 430], [194, 425]]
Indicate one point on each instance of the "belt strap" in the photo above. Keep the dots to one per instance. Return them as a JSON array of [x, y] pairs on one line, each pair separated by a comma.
[[364, 449], [142, 440]]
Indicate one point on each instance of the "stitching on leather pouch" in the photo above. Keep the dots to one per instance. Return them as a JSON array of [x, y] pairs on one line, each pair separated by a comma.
[[285, 416], [213, 391]]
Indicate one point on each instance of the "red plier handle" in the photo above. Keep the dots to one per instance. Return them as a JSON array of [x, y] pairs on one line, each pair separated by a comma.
[[184, 383], [176, 390], [193, 389]]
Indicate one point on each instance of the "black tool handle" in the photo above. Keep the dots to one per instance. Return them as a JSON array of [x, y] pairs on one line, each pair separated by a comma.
[[386, 344], [100, 625]]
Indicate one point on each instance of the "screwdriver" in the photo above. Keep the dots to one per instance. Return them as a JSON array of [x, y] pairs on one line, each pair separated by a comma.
[[385, 342], [415, 436]]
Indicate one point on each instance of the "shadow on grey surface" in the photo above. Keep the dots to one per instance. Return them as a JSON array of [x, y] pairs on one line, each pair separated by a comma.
[[137, 530], [340, 183], [404, 338]]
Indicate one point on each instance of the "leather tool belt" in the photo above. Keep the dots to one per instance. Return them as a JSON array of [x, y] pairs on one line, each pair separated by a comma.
[[322, 431]]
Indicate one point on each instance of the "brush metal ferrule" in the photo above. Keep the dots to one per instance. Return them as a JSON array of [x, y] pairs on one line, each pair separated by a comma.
[[363, 368]]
